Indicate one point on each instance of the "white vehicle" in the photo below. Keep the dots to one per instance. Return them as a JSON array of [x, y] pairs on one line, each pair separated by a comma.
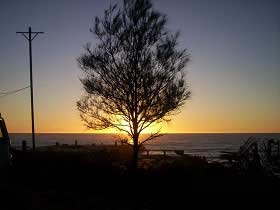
[[5, 157]]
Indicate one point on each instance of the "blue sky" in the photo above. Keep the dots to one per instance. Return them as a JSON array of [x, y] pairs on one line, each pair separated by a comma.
[[234, 72]]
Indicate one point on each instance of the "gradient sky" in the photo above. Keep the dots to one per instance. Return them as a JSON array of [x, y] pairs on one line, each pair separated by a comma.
[[234, 73]]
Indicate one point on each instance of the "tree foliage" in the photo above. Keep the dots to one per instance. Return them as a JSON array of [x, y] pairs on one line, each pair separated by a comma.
[[133, 75]]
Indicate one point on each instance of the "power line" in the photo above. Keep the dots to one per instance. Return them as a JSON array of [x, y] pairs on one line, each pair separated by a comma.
[[4, 94], [12, 91]]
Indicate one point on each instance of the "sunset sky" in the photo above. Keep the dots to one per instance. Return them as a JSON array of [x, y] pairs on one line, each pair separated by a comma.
[[234, 72]]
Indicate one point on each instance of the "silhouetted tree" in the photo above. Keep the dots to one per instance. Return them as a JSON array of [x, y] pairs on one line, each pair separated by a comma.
[[133, 76]]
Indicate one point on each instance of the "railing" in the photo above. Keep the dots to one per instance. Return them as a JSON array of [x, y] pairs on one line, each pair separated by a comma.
[[163, 151]]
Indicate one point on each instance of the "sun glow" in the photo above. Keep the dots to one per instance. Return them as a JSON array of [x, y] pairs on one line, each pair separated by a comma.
[[153, 128], [122, 133]]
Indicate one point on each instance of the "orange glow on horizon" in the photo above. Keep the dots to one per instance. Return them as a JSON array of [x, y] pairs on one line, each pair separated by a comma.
[[194, 118]]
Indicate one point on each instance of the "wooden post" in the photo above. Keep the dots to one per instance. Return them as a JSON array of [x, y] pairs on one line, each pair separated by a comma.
[[30, 37], [147, 152], [164, 153], [76, 142], [269, 150], [256, 154], [24, 146], [278, 149]]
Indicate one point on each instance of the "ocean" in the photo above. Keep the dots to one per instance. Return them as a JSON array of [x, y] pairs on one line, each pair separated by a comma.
[[207, 145]]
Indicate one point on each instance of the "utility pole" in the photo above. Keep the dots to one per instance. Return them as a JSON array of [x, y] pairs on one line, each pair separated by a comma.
[[29, 35]]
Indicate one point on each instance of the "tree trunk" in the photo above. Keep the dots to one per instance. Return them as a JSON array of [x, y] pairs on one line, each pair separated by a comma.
[[135, 158], [135, 153]]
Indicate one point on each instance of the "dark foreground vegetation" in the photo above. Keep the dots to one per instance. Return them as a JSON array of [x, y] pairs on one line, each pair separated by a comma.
[[98, 177]]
